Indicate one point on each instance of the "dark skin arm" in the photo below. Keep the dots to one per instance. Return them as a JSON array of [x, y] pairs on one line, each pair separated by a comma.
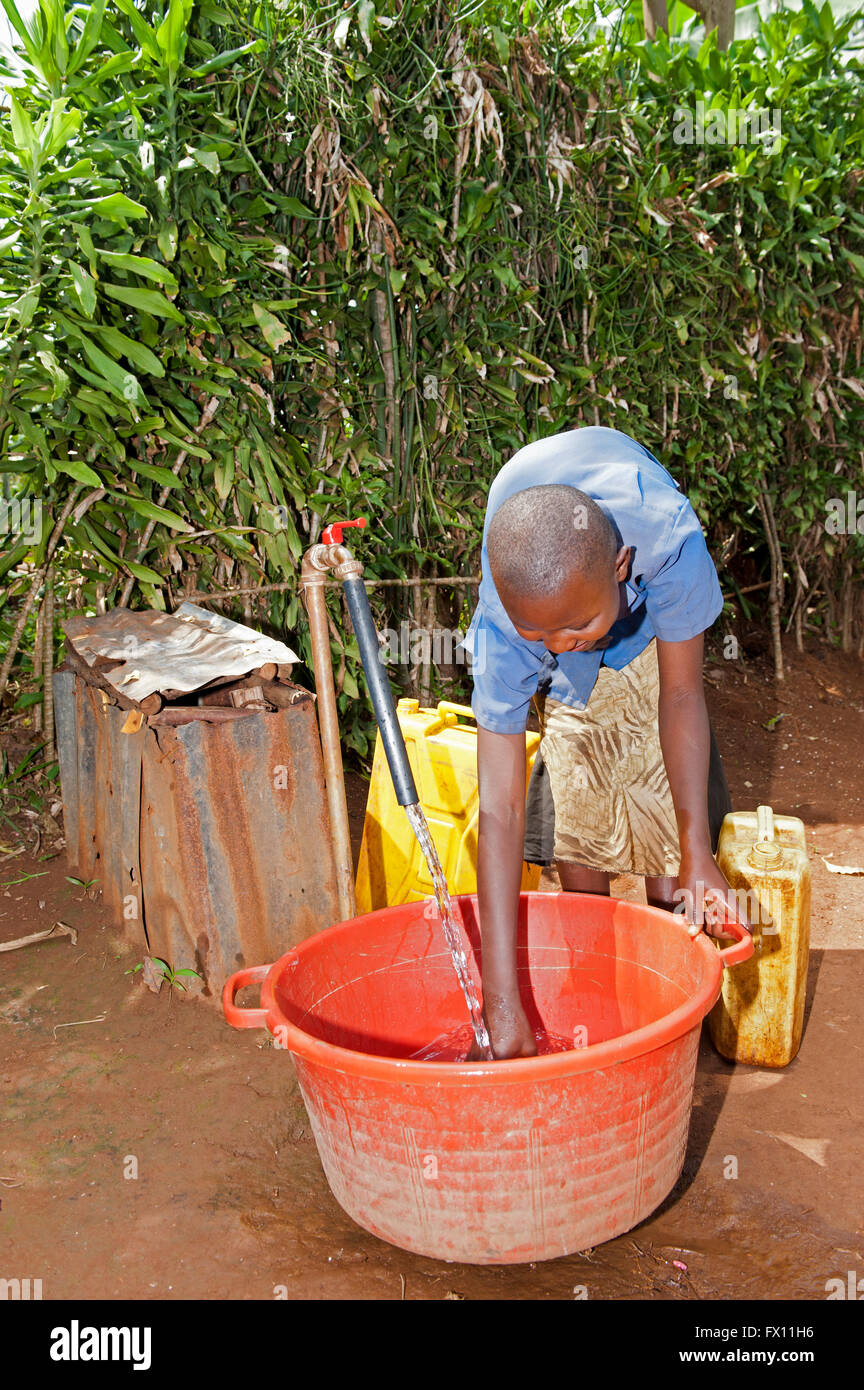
[[501, 778], [684, 739]]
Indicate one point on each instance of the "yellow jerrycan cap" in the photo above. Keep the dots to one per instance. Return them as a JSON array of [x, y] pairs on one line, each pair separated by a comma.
[[765, 852]]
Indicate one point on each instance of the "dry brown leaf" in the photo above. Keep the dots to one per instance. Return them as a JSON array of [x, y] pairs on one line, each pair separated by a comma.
[[152, 975]]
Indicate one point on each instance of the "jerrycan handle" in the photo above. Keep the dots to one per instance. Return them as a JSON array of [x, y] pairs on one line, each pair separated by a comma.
[[463, 711], [765, 852], [764, 823], [443, 709]]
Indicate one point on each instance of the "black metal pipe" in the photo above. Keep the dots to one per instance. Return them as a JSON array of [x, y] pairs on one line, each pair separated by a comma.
[[379, 690]]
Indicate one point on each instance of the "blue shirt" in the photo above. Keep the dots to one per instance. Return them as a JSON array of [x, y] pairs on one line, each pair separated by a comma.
[[673, 592]]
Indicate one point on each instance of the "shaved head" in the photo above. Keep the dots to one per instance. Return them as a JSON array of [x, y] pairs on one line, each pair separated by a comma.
[[543, 538]]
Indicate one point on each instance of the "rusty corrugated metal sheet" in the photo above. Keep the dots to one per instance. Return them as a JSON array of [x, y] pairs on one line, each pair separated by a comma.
[[222, 826], [236, 858], [118, 813], [100, 776], [77, 765]]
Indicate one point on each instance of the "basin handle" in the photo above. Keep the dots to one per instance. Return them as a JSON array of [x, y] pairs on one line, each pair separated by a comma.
[[244, 1018], [743, 948]]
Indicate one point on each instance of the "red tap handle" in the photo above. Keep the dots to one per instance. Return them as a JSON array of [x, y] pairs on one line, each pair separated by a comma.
[[332, 534]]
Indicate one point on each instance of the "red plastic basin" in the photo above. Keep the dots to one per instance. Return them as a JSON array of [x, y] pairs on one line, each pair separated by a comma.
[[496, 1162]]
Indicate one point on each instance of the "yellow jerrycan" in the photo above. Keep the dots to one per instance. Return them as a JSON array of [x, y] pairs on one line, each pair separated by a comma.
[[442, 752], [759, 1016]]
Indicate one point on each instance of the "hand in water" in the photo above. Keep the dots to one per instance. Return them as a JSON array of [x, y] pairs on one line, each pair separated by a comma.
[[509, 1030]]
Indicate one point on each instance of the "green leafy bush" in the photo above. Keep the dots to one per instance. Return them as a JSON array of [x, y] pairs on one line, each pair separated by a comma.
[[263, 267]]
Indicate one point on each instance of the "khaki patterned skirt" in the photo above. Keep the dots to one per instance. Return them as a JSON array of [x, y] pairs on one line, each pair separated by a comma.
[[599, 795]]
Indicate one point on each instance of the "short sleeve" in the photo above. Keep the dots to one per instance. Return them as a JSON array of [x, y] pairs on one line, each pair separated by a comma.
[[505, 676], [683, 598]]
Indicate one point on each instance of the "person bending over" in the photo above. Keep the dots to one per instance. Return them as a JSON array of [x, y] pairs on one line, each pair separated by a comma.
[[596, 591]]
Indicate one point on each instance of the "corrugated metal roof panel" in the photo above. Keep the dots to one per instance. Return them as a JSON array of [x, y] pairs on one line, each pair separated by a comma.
[[157, 652]]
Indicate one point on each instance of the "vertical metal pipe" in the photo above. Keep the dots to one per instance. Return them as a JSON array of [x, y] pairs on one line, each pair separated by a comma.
[[316, 608], [379, 689]]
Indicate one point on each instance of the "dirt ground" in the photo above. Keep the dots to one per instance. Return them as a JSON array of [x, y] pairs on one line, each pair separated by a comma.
[[101, 1078]]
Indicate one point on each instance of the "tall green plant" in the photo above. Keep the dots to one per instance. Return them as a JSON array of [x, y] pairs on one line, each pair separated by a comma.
[[264, 267]]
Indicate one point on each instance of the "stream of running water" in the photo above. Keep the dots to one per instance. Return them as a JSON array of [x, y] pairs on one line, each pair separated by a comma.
[[451, 930]]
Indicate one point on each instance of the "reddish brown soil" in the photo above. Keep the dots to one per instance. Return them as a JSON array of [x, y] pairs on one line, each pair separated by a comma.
[[230, 1200]]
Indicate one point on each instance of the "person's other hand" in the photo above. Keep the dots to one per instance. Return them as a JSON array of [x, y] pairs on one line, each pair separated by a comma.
[[709, 902]]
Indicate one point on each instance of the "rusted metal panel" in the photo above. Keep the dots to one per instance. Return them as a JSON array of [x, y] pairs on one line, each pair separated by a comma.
[[118, 814], [219, 824], [236, 859], [100, 778], [77, 794]]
